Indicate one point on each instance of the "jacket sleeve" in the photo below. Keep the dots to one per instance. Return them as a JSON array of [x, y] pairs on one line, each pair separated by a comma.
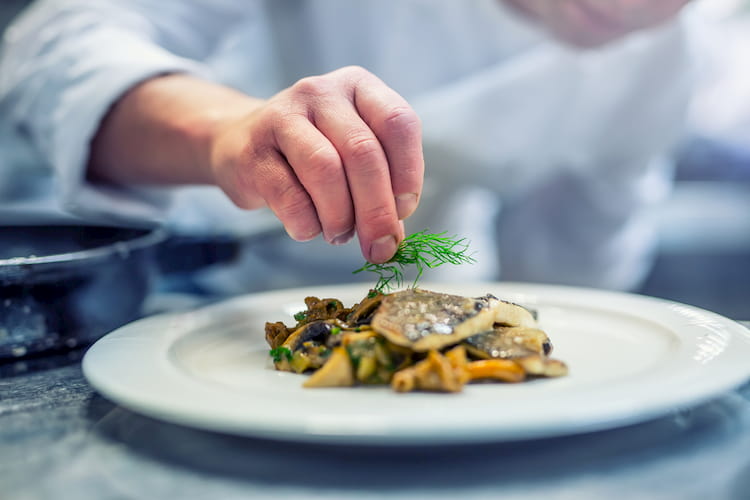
[[576, 145], [64, 63]]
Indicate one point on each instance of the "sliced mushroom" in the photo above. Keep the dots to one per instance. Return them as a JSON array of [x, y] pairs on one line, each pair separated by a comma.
[[437, 372], [317, 331], [362, 312], [337, 372], [505, 370]]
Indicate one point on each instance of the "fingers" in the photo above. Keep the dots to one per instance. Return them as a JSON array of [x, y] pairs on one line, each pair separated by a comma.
[[380, 170], [285, 195], [368, 178], [399, 131], [319, 169]]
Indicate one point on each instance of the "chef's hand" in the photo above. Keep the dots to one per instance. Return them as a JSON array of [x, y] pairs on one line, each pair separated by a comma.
[[333, 154], [589, 23]]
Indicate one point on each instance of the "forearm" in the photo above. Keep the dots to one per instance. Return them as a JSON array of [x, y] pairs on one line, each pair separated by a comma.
[[160, 132]]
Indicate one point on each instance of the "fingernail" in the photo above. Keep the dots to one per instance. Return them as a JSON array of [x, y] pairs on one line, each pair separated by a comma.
[[343, 237], [406, 204], [299, 236], [382, 249]]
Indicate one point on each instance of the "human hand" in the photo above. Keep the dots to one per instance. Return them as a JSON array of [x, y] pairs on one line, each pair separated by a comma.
[[589, 23], [335, 153]]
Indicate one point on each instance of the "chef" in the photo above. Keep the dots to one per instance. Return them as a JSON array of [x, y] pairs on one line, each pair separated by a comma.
[[543, 124]]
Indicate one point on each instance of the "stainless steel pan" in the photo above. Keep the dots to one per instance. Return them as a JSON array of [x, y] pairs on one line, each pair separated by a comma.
[[64, 286]]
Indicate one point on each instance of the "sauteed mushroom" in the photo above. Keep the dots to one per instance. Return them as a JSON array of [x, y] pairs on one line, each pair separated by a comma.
[[415, 340]]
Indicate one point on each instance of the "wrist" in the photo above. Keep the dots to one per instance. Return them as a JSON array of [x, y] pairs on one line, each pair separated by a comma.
[[161, 132], [210, 113]]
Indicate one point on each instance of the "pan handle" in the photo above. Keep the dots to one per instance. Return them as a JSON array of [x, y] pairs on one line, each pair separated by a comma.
[[185, 253]]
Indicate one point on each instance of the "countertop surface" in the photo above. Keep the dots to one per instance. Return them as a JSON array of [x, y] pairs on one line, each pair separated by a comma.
[[61, 440]]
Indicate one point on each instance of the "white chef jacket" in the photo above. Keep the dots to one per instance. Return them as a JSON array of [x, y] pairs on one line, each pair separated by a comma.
[[546, 157]]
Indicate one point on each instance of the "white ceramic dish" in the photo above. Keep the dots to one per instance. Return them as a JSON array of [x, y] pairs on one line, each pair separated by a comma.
[[631, 358]]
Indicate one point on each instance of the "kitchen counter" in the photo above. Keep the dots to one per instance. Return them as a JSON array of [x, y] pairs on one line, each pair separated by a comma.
[[59, 439]]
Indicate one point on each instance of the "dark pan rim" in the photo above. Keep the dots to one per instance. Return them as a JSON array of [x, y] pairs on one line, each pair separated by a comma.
[[152, 238]]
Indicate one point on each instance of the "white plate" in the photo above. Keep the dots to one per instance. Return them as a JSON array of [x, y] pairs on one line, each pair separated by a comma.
[[631, 358]]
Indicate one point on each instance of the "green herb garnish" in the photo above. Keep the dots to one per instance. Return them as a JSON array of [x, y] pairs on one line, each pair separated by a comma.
[[335, 330], [279, 353], [300, 316], [424, 251]]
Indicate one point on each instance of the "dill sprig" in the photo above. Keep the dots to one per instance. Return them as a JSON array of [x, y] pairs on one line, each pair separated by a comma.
[[424, 251]]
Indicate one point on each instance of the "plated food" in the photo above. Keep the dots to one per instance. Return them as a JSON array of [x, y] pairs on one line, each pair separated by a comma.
[[413, 340]]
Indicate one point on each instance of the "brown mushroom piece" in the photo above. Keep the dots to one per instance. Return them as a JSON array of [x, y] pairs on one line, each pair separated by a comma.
[[316, 331], [276, 333], [323, 309], [362, 313]]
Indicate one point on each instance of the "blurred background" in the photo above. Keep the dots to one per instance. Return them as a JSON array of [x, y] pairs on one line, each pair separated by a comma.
[[704, 256]]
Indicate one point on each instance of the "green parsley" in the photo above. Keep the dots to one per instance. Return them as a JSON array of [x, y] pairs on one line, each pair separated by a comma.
[[424, 251], [335, 330], [280, 352], [300, 316]]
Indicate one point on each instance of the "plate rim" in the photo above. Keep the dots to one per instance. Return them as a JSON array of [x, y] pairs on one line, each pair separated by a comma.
[[290, 431]]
